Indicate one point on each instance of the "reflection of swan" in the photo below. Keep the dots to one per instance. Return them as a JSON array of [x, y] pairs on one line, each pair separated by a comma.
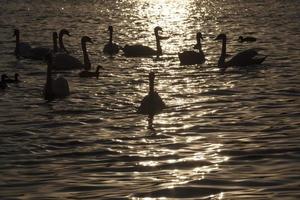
[[63, 61], [192, 57], [144, 51], [15, 80], [242, 59], [26, 51], [55, 88], [3, 84], [62, 47], [246, 39], [86, 73], [111, 48], [151, 103]]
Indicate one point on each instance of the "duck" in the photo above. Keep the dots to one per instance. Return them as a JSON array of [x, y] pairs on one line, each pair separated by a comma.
[[86, 73], [152, 103], [3, 84], [24, 50], [15, 80], [62, 47], [111, 48], [139, 50], [193, 57], [54, 88], [63, 61], [242, 59], [246, 39]]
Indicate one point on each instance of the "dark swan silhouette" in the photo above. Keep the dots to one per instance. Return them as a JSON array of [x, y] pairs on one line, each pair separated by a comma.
[[111, 48], [152, 103], [86, 73], [242, 59], [246, 39], [15, 80], [26, 51], [63, 61], [193, 57], [54, 88], [139, 50]]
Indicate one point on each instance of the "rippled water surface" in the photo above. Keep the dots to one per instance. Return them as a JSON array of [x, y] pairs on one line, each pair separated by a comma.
[[223, 136]]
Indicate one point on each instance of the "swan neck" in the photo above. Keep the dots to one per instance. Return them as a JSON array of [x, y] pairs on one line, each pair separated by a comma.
[[151, 85], [86, 60], [110, 36], [61, 42], [158, 46], [223, 53], [17, 49], [54, 44], [199, 45], [48, 86]]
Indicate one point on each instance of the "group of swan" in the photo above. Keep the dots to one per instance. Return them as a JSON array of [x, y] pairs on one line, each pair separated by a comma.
[[60, 59]]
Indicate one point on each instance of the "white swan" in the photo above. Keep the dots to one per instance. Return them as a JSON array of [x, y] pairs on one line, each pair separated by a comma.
[[242, 59], [63, 61], [55, 88], [152, 103], [26, 51], [193, 57], [111, 48], [139, 50]]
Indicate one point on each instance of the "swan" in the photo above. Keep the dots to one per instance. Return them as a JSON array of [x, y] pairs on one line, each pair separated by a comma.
[[242, 59], [192, 57], [86, 73], [151, 103], [3, 84], [26, 51], [63, 61], [55, 88], [111, 48], [138, 50], [62, 47], [15, 80], [246, 39]]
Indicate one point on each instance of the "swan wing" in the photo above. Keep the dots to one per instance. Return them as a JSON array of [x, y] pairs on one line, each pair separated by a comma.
[[24, 49], [39, 53], [62, 61], [243, 58], [151, 104], [138, 50], [111, 48], [191, 57]]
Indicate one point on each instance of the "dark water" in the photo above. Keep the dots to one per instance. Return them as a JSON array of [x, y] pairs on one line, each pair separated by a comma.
[[230, 136]]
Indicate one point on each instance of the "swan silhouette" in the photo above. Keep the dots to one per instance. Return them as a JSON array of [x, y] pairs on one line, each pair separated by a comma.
[[242, 59], [246, 39], [192, 57], [55, 88], [152, 103], [111, 48], [15, 80], [26, 51], [63, 61], [139, 50], [3, 84], [86, 73], [62, 47]]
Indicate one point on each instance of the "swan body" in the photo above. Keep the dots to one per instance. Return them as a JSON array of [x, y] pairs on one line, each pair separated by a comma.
[[193, 57], [86, 73], [63, 61], [152, 103], [246, 39], [15, 80], [26, 51], [55, 88], [3, 84], [111, 48], [139, 50], [242, 59]]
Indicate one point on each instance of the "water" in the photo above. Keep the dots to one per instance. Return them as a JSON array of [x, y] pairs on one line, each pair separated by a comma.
[[224, 136]]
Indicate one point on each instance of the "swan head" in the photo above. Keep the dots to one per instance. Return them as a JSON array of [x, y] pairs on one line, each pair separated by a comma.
[[240, 39], [199, 36], [64, 32], [16, 32], [86, 39], [156, 29], [221, 36]]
